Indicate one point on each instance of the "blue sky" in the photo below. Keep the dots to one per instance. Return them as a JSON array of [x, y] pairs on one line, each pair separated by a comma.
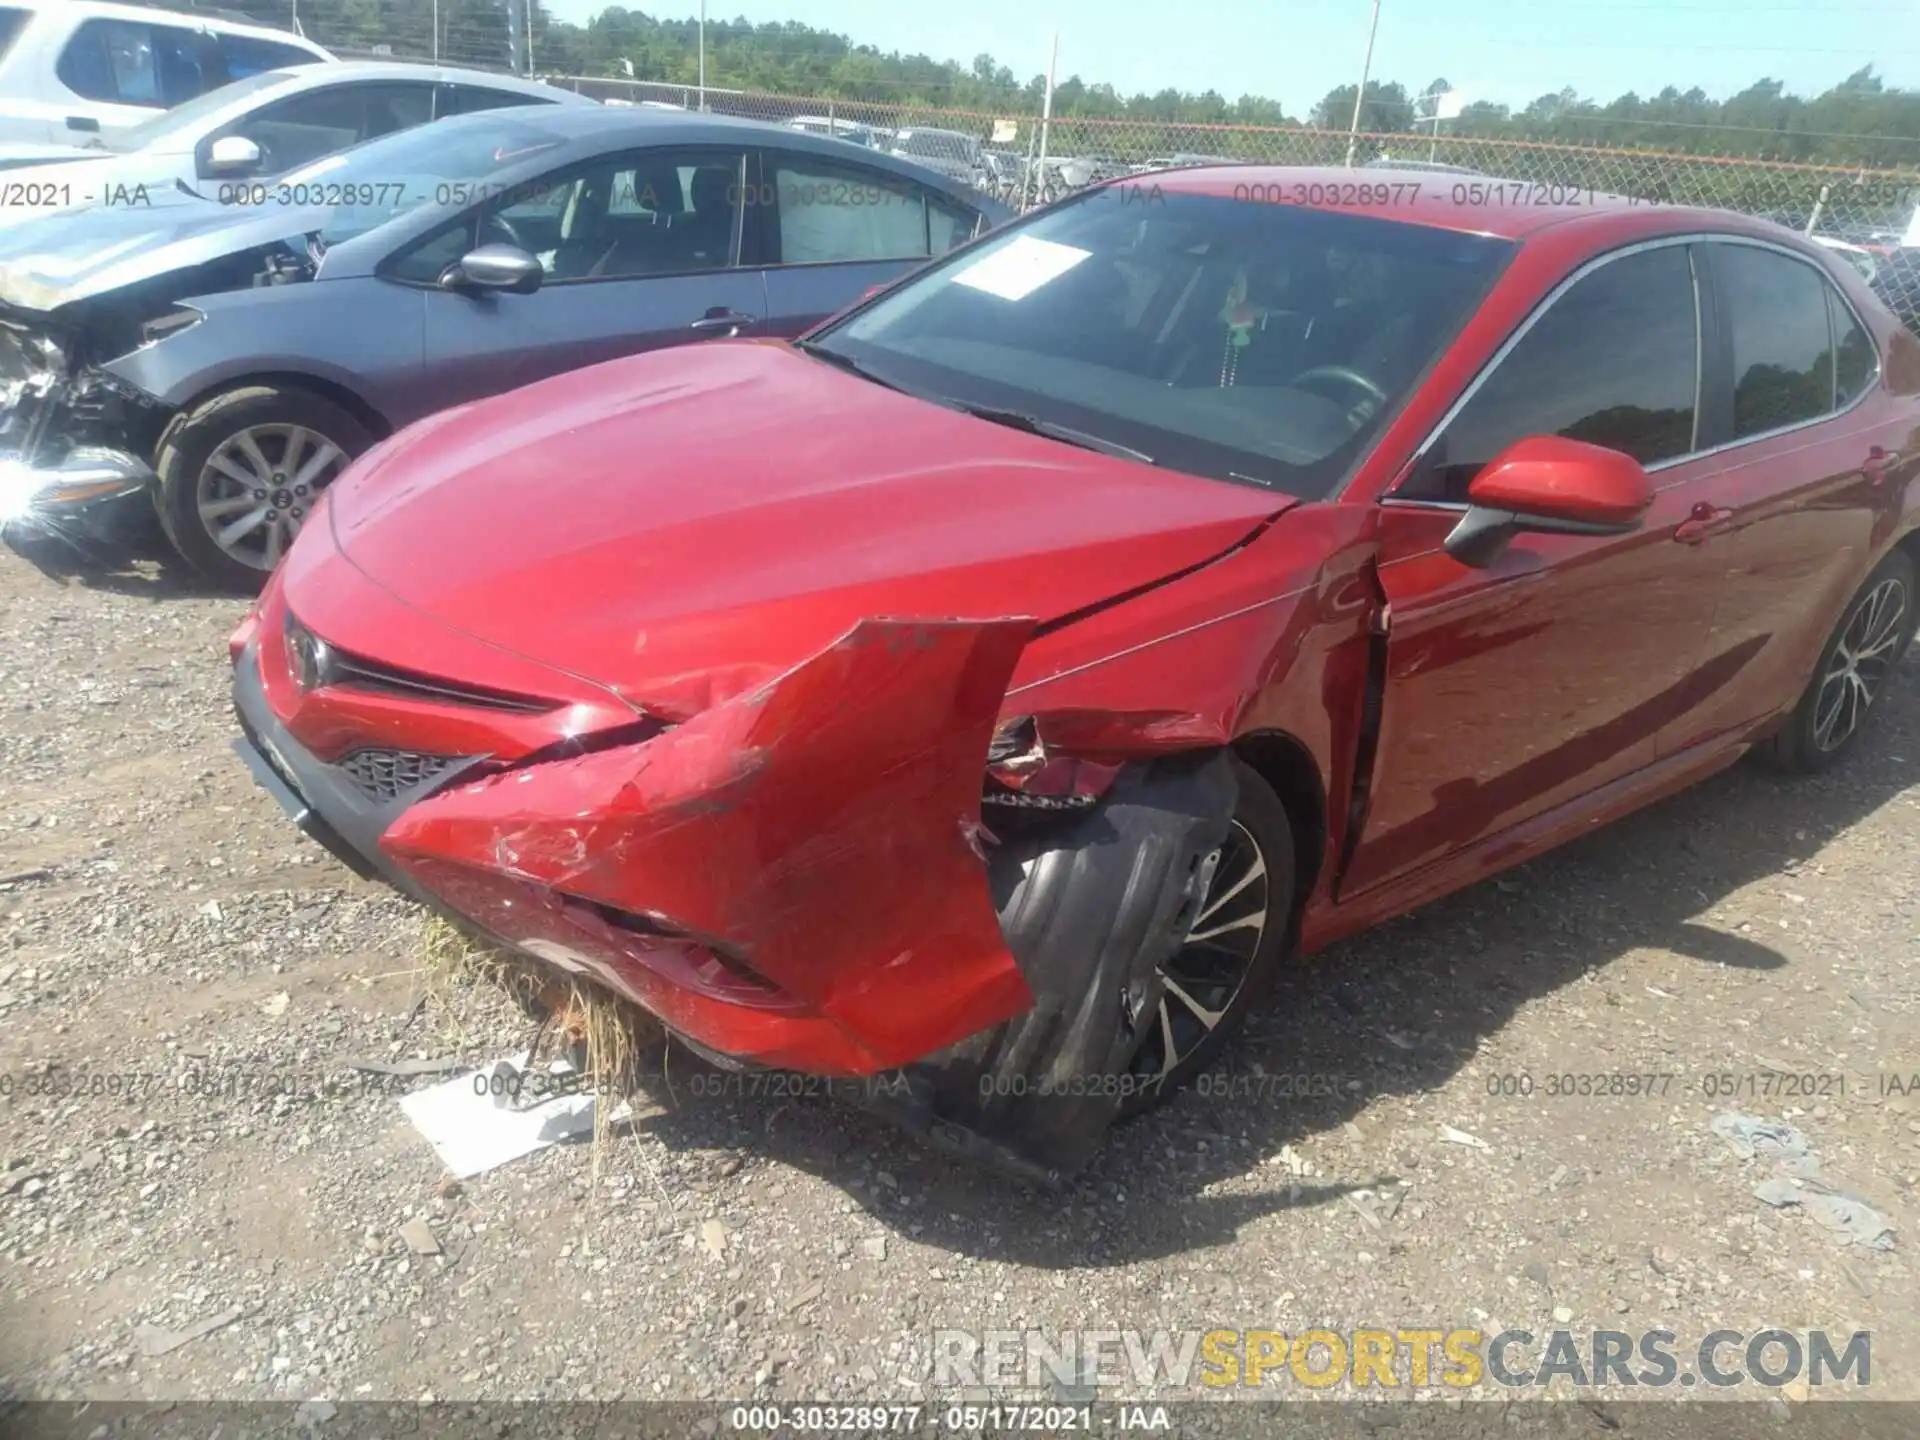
[[1296, 50]]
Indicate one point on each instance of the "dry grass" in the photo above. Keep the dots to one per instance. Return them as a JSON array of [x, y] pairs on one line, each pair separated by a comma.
[[603, 1034]]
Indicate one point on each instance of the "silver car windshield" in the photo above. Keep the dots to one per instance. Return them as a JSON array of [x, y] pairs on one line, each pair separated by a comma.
[[190, 117], [450, 162]]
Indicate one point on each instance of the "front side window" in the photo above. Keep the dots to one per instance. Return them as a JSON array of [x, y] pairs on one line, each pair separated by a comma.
[[663, 212], [1782, 348], [1614, 361], [304, 128], [834, 213], [1261, 344]]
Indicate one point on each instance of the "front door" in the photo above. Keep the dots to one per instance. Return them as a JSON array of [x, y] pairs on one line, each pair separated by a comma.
[[641, 252], [1559, 668]]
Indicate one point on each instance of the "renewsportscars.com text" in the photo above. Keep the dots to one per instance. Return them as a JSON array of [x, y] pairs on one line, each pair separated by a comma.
[[1400, 1357]]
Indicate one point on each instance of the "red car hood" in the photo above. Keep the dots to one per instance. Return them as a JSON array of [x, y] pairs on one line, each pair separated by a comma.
[[683, 525]]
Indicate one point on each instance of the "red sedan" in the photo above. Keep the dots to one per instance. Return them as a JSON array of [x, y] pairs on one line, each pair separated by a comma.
[[988, 691]]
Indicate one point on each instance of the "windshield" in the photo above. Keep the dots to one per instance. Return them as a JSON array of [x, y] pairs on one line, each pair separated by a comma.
[[1266, 344], [188, 118], [449, 162]]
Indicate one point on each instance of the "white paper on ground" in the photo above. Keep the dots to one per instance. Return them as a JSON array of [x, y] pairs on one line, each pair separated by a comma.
[[1020, 267], [473, 1132]]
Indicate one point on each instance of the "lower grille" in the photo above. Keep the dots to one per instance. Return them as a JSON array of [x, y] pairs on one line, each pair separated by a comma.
[[384, 775]]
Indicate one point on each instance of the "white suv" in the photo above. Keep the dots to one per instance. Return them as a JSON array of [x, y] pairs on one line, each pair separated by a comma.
[[72, 71]]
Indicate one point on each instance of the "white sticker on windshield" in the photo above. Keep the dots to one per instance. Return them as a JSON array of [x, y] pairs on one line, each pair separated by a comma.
[[1020, 267]]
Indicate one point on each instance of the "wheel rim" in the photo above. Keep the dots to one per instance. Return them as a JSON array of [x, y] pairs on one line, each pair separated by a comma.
[[1860, 664], [1202, 979], [259, 486]]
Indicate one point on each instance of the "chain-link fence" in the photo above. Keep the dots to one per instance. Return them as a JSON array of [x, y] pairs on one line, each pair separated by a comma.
[[1024, 161]]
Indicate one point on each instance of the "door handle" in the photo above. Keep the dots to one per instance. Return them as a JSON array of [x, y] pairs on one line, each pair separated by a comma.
[[1705, 521], [723, 320], [1878, 462]]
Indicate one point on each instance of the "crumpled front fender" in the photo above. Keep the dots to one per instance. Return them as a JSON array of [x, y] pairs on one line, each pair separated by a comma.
[[821, 831]]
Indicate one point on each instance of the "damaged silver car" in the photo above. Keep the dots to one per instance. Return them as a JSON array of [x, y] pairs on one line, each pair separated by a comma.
[[233, 359]]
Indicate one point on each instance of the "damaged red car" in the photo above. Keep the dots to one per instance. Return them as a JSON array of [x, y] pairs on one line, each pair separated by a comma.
[[989, 690]]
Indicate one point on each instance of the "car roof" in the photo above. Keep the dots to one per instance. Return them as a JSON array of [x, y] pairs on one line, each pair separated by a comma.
[[192, 19], [1508, 209], [339, 72]]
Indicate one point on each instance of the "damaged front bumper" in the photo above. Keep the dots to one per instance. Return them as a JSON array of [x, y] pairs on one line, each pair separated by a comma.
[[785, 879], [799, 878], [66, 471]]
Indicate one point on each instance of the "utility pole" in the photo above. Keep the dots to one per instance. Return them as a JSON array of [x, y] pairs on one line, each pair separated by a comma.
[[1046, 122], [436, 32], [1366, 69], [703, 54]]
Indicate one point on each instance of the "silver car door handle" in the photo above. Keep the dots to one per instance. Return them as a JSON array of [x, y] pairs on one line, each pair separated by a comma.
[[732, 320]]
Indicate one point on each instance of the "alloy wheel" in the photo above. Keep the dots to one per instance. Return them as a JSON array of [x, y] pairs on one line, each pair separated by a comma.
[[259, 486], [1860, 663], [1202, 979]]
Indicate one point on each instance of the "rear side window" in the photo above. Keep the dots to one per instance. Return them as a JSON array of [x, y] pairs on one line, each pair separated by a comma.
[[468, 98], [1783, 370], [837, 214], [1614, 362], [127, 62], [12, 21], [245, 55], [1855, 360]]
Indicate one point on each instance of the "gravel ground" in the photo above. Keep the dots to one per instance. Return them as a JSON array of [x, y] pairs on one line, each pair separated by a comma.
[[158, 916]]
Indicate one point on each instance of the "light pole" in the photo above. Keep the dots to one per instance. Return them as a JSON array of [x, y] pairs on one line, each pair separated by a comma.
[[703, 54], [1366, 69]]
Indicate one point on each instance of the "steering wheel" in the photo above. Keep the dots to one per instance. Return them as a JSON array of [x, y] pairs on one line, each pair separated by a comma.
[[496, 228], [1347, 375]]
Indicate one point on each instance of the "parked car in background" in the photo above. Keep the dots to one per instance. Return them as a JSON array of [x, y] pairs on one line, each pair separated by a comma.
[[1033, 658], [1419, 167], [77, 70], [1858, 256], [834, 128], [233, 361], [949, 151], [228, 142]]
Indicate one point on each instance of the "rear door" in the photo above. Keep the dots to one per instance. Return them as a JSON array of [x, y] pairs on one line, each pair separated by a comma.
[[1557, 670], [642, 250], [1808, 468], [833, 229]]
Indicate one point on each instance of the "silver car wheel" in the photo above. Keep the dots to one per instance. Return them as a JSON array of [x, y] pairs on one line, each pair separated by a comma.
[[259, 486], [1205, 976], [1859, 664]]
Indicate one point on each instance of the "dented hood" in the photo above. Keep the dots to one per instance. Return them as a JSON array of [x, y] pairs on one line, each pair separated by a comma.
[[683, 524]]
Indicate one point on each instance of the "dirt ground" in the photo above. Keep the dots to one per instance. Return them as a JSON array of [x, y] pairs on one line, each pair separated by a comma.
[[158, 916]]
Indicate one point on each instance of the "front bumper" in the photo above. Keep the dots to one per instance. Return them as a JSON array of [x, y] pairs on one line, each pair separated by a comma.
[[787, 880], [324, 800], [47, 494]]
